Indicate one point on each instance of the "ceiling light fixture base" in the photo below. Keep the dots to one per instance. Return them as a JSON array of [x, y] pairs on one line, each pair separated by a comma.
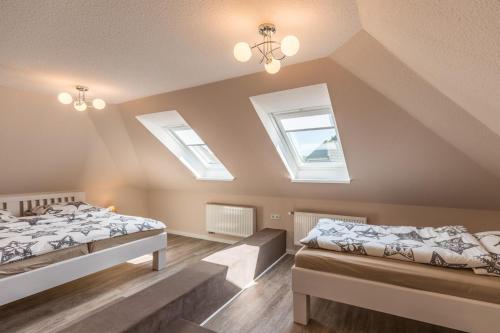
[[267, 29], [82, 88]]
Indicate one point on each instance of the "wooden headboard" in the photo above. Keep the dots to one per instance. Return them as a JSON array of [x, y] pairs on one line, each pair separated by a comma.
[[17, 204]]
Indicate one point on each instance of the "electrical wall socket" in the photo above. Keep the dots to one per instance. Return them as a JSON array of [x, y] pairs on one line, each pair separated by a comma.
[[275, 216]]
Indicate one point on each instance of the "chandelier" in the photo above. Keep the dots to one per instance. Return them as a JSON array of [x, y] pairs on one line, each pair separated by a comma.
[[272, 52], [81, 103]]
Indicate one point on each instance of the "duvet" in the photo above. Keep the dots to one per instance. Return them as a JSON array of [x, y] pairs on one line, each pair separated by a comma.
[[449, 246], [32, 236]]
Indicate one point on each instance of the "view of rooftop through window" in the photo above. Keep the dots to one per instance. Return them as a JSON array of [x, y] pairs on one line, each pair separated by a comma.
[[301, 124], [311, 135]]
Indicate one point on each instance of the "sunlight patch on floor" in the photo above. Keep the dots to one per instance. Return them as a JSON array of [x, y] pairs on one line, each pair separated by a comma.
[[141, 259]]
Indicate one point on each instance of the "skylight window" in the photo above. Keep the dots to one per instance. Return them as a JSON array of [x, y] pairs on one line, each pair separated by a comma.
[[311, 136], [194, 143], [301, 124], [173, 131]]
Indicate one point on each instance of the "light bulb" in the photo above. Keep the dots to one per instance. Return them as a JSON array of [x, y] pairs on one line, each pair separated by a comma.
[[80, 106], [273, 66], [98, 104], [290, 45], [242, 52], [65, 98]]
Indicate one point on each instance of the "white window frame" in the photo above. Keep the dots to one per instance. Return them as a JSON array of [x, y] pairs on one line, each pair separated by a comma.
[[194, 157], [162, 125], [278, 116], [274, 106]]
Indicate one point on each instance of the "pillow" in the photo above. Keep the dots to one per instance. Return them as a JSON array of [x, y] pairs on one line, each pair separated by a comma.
[[64, 208], [6, 216], [490, 240], [38, 210], [311, 240]]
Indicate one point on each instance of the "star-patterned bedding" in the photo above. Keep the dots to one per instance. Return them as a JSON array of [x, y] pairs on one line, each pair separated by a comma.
[[26, 237], [448, 246], [491, 242]]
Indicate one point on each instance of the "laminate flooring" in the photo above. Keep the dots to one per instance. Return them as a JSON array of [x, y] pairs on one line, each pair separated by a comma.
[[267, 308]]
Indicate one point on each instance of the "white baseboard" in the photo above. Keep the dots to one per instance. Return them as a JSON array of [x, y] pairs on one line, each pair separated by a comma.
[[201, 236], [291, 251]]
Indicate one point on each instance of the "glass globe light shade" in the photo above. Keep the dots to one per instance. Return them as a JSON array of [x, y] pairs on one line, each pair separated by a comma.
[[80, 106], [65, 98], [273, 66], [290, 45], [98, 104], [242, 52]]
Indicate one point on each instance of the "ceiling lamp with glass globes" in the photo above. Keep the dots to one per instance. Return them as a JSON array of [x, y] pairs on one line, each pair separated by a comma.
[[80, 102], [272, 51]]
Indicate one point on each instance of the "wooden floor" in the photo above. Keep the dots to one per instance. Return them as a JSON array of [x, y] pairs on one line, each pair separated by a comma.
[[59, 307], [267, 308]]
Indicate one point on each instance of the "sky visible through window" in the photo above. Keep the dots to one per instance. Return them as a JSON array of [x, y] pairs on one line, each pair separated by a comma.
[[189, 137], [182, 141], [313, 137], [314, 145]]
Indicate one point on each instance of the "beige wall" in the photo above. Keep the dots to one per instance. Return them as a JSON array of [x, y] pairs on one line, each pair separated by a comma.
[[46, 146], [127, 199], [185, 211], [392, 157]]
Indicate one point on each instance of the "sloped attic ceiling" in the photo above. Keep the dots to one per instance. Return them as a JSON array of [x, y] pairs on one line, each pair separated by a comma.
[[391, 156], [387, 74], [453, 44], [425, 149]]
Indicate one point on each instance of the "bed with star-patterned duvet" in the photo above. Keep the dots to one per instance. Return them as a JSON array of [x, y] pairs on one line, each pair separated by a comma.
[[448, 246], [68, 230], [444, 276]]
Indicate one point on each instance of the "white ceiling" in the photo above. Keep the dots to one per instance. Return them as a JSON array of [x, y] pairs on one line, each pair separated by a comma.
[[126, 49]]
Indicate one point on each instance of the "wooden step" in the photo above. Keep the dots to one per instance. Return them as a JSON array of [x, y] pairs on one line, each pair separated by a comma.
[[193, 293]]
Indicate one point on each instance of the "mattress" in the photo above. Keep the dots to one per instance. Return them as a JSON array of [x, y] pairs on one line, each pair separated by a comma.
[[449, 281], [47, 259]]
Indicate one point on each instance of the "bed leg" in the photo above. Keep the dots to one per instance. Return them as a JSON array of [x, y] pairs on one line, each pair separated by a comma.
[[159, 259], [301, 305]]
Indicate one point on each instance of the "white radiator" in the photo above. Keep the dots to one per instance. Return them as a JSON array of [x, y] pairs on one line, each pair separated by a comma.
[[231, 220], [304, 222]]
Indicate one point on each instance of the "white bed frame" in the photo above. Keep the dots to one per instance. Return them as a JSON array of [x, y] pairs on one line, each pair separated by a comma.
[[439, 309], [25, 284]]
